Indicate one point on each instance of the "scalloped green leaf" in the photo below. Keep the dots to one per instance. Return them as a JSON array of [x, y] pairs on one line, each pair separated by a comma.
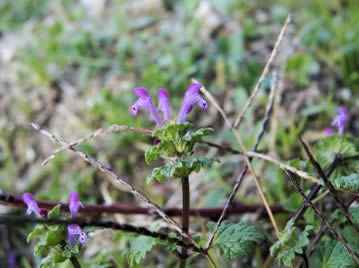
[[236, 240], [140, 246], [350, 182]]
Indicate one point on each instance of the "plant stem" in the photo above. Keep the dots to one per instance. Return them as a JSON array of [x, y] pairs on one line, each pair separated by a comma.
[[75, 262], [185, 214]]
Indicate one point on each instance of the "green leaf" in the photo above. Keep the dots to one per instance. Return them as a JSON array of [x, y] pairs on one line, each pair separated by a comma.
[[354, 212], [290, 243], [326, 149], [235, 240], [332, 253], [350, 182], [139, 248], [55, 235], [54, 212], [181, 168], [38, 230]]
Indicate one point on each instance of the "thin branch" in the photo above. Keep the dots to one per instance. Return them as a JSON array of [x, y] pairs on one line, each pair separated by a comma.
[[97, 133], [244, 170], [254, 154], [89, 209], [97, 222], [324, 228], [266, 69], [329, 185], [108, 171], [315, 189], [336, 234]]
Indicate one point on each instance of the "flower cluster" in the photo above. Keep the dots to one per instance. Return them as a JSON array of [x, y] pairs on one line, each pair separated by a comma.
[[191, 98], [74, 231], [339, 122]]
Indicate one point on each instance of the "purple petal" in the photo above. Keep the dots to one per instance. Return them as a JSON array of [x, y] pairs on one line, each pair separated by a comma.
[[74, 204], [141, 92], [31, 203], [73, 231], [192, 97], [163, 103], [340, 120], [144, 102]]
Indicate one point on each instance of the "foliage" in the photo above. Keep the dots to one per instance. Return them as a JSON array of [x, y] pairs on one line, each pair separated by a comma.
[[51, 244], [176, 143], [291, 242], [345, 146], [235, 240], [139, 247], [332, 253], [350, 182]]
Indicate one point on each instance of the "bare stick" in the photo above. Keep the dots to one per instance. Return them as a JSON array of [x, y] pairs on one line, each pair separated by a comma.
[[98, 132], [336, 234], [119, 180], [96, 222], [274, 53], [329, 185], [210, 212], [281, 165], [244, 170]]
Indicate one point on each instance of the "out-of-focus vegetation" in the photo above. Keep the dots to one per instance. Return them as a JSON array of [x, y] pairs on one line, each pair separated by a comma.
[[70, 66]]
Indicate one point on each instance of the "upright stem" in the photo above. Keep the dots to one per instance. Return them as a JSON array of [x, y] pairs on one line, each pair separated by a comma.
[[185, 215]]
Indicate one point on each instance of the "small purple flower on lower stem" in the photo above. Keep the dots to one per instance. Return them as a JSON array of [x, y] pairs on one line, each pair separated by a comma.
[[144, 102], [163, 104], [74, 204], [32, 206], [340, 119], [191, 98], [329, 132], [75, 233]]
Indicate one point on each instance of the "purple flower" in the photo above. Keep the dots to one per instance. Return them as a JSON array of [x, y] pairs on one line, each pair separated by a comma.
[[144, 102], [163, 105], [191, 98], [329, 132], [74, 204], [340, 120], [32, 206], [76, 234]]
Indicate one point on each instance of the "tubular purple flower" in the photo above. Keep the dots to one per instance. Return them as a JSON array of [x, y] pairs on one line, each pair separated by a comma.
[[163, 104], [191, 98], [32, 206], [74, 204], [340, 120], [76, 234], [144, 102]]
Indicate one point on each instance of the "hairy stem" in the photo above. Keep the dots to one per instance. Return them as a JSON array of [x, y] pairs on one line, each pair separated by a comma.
[[185, 215]]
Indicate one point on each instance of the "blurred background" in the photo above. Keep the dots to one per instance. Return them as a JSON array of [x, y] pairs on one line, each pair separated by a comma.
[[70, 66]]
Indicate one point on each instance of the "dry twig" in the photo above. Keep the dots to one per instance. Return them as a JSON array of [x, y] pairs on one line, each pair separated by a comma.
[[274, 53], [96, 133]]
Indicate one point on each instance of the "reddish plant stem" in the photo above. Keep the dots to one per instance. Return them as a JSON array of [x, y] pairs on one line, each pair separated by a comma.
[[185, 215], [209, 212]]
